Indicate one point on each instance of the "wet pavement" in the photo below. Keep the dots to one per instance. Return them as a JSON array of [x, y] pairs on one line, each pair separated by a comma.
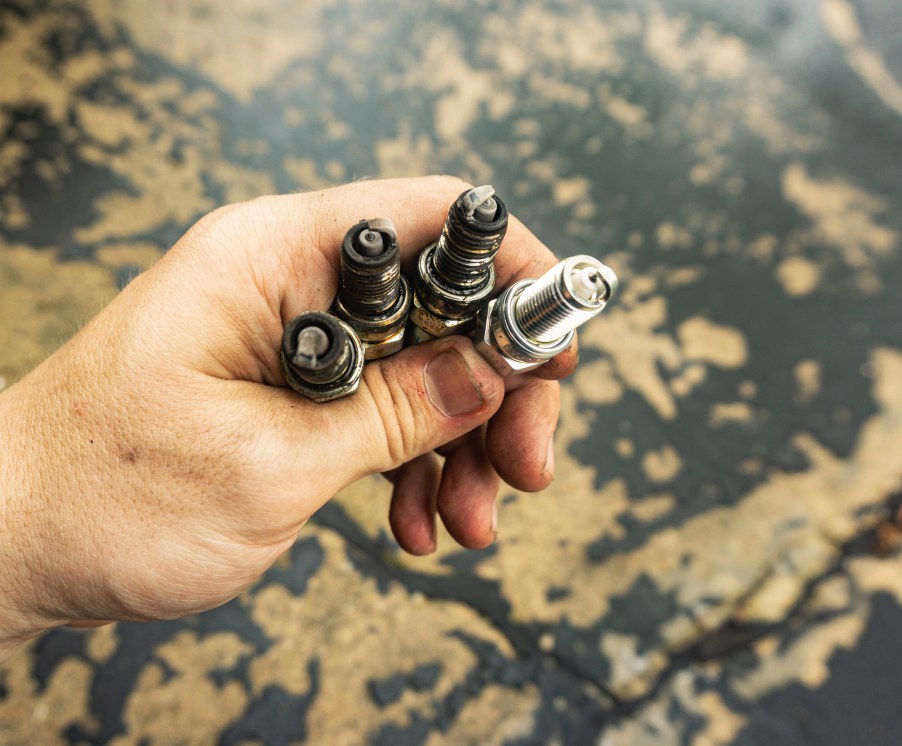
[[717, 561]]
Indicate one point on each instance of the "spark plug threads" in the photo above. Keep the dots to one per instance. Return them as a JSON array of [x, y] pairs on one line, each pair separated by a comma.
[[456, 274], [471, 236], [564, 298], [370, 268], [373, 296]]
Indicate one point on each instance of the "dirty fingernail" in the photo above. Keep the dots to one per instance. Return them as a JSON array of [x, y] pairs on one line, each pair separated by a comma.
[[548, 471], [450, 385]]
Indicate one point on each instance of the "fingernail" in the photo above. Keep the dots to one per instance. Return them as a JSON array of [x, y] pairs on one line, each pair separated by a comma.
[[450, 385], [495, 518], [548, 470]]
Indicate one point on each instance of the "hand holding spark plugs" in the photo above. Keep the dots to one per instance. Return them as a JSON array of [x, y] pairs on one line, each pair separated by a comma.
[[529, 324], [157, 463]]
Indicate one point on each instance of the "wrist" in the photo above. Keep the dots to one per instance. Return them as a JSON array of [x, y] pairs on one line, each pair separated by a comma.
[[19, 622]]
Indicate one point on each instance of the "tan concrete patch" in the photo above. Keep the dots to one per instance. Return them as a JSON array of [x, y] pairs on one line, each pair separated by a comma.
[[43, 302], [663, 464], [798, 276], [186, 707], [654, 724], [807, 374], [713, 343], [844, 215], [723, 413], [498, 716], [29, 716], [359, 634], [220, 40], [841, 22]]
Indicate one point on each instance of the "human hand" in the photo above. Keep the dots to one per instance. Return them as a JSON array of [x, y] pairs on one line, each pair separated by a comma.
[[156, 464]]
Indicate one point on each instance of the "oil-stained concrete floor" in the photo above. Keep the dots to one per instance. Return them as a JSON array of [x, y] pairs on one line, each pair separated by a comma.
[[717, 560]]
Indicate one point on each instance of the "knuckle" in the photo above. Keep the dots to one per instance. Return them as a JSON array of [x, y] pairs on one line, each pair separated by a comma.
[[211, 231], [450, 181], [397, 418], [453, 180], [214, 219]]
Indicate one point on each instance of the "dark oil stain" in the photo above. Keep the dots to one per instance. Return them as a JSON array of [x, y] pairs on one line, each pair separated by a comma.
[[860, 702], [275, 716], [389, 689]]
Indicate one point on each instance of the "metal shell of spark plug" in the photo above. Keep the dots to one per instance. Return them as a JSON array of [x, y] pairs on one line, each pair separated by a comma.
[[534, 320], [373, 296], [455, 275], [322, 357]]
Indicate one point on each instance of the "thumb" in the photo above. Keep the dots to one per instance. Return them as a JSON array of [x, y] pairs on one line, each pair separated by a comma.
[[416, 401]]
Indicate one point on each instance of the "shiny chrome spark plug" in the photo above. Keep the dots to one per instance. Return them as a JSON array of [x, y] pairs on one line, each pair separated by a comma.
[[455, 274], [534, 320], [373, 296], [322, 357]]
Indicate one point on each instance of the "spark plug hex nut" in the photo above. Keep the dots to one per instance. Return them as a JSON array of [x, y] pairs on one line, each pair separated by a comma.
[[373, 296], [322, 357], [437, 308], [534, 320]]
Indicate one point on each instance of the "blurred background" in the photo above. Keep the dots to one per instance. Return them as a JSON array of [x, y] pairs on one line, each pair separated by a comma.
[[717, 561]]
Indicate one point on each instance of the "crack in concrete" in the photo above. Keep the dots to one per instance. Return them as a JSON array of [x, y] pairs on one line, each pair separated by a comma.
[[732, 638], [482, 598], [479, 595]]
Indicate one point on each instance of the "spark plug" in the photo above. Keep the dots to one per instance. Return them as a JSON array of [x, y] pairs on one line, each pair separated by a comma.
[[322, 357], [456, 274], [373, 296], [534, 320]]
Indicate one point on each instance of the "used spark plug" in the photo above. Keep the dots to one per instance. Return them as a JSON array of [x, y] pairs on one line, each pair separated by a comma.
[[322, 357], [534, 320], [455, 274], [373, 296]]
